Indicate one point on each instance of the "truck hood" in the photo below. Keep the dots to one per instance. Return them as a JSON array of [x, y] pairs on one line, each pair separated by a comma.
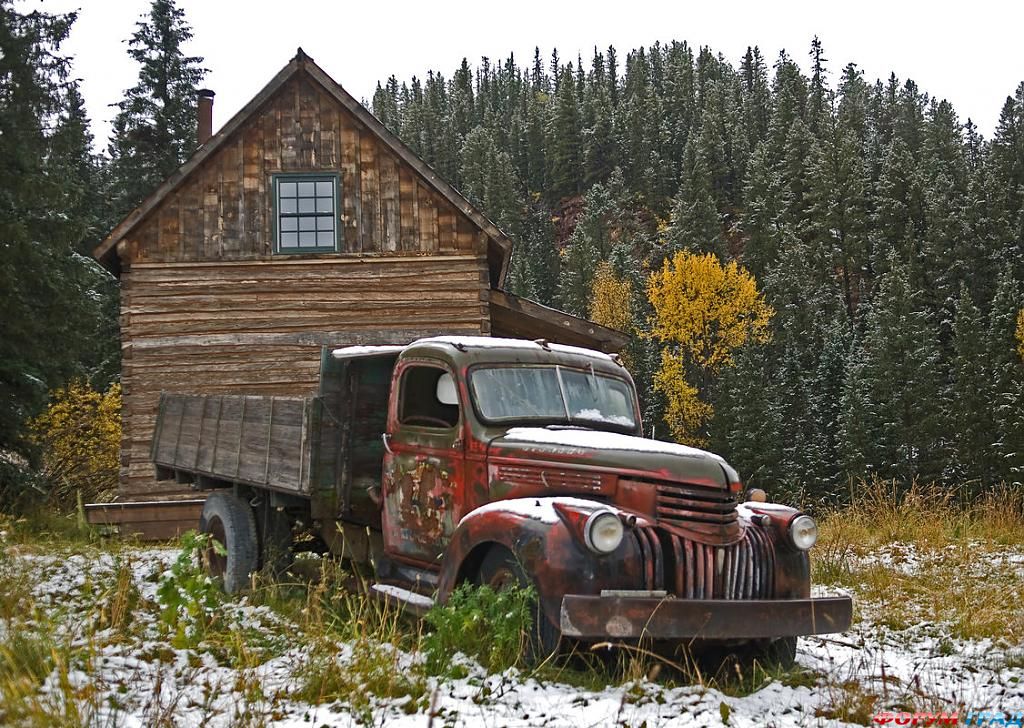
[[651, 458]]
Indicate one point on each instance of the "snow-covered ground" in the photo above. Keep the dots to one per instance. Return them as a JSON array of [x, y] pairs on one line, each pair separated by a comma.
[[143, 682]]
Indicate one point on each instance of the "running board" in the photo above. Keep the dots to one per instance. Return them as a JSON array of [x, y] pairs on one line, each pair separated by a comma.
[[411, 602]]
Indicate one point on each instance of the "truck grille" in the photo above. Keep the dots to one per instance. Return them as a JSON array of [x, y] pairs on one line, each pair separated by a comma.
[[684, 504], [692, 570]]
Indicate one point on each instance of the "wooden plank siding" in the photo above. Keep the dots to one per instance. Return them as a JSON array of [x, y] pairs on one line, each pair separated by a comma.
[[257, 327], [224, 210]]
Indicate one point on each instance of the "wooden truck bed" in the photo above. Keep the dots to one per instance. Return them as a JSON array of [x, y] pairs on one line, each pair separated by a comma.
[[258, 440]]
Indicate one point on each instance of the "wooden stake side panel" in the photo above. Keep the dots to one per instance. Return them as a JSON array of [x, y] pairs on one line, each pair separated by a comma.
[[224, 211], [259, 440]]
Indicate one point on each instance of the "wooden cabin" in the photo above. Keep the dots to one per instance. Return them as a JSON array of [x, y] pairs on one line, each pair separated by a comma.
[[302, 223]]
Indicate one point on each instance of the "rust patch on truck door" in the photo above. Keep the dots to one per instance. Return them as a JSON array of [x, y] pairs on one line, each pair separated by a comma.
[[420, 505], [424, 465]]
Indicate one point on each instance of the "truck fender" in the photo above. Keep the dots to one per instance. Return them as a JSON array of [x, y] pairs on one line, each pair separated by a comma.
[[541, 539], [792, 567]]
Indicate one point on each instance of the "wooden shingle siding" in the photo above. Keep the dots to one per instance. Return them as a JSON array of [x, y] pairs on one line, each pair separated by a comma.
[[257, 327], [224, 210]]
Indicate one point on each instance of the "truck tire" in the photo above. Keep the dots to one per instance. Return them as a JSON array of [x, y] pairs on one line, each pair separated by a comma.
[[500, 570], [781, 652], [230, 520]]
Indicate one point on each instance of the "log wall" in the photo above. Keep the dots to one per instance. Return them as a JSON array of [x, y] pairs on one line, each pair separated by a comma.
[[258, 326]]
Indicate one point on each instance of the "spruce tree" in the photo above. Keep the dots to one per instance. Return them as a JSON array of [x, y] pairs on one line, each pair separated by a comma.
[[564, 155], [761, 220], [894, 413], [1007, 377], [154, 131], [50, 291], [695, 225], [971, 398]]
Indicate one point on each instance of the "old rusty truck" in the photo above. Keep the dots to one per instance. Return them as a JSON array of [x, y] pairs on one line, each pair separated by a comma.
[[500, 461]]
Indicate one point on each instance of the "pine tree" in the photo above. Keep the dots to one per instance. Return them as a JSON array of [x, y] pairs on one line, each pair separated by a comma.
[[1007, 377], [971, 398], [837, 223], [50, 292], [477, 155], [564, 154], [599, 151], [154, 131], [819, 100], [589, 244], [894, 396], [385, 104], [1007, 170], [696, 225], [761, 221], [756, 97]]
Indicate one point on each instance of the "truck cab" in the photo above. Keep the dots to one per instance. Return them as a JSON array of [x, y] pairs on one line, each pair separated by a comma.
[[456, 459]]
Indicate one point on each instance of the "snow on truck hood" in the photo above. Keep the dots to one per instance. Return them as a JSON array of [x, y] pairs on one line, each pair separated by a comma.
[[614, 450], [599, 440]]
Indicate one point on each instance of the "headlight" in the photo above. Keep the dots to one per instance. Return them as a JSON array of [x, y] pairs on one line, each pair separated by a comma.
[[803, 532], [603, 532]]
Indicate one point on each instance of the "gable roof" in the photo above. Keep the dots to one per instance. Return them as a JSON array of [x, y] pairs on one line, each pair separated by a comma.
[[499, 246]]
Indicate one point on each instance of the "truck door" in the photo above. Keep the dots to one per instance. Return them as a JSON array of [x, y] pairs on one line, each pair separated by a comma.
[[423, 464]]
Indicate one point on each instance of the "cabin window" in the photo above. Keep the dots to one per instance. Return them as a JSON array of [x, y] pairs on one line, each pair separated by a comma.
[[306, 213]]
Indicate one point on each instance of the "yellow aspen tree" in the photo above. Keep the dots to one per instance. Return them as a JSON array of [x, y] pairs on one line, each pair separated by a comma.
[[611, 299], [611, 302], [1020, 333], [703, 312]]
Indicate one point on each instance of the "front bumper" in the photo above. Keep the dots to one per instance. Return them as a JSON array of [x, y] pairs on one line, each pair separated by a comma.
[[635, 617]]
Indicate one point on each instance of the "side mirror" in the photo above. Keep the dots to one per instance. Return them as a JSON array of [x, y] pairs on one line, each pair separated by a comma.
[[446, 392]]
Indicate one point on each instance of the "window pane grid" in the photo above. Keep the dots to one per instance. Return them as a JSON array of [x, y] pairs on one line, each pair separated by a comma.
[[306, 215]]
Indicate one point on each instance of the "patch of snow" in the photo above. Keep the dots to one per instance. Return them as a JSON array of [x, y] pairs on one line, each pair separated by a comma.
[[539, 509], [599, 416], [404, 595], [490, 342], [351, 352], [604, 441]]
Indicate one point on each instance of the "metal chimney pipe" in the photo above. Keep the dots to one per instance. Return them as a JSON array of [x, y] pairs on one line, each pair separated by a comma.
[[204, 129]]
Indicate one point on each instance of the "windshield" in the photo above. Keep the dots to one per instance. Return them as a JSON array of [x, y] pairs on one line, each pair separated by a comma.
[[553, 394]]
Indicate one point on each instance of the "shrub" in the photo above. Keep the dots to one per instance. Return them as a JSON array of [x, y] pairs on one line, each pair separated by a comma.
[[492, 626], [80, 437], [190, 600]]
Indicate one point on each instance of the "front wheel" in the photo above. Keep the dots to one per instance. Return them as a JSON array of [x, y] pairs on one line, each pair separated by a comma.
[[780, 652], [500, 570], [230, 520]]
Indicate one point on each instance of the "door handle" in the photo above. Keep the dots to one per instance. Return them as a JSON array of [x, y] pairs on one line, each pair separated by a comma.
[[386, 437]]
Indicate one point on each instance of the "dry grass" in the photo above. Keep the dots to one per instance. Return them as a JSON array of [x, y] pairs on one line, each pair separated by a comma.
[[929, 554], [932, 516]]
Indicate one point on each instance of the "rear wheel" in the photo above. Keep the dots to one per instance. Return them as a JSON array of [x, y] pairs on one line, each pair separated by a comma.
[[229, 520], [500, 570]]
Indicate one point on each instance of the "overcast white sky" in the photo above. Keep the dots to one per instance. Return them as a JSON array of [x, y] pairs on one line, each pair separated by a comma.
[[967, 52]]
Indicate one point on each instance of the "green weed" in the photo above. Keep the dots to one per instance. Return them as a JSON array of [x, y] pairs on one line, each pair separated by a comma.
[[491, 626]]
